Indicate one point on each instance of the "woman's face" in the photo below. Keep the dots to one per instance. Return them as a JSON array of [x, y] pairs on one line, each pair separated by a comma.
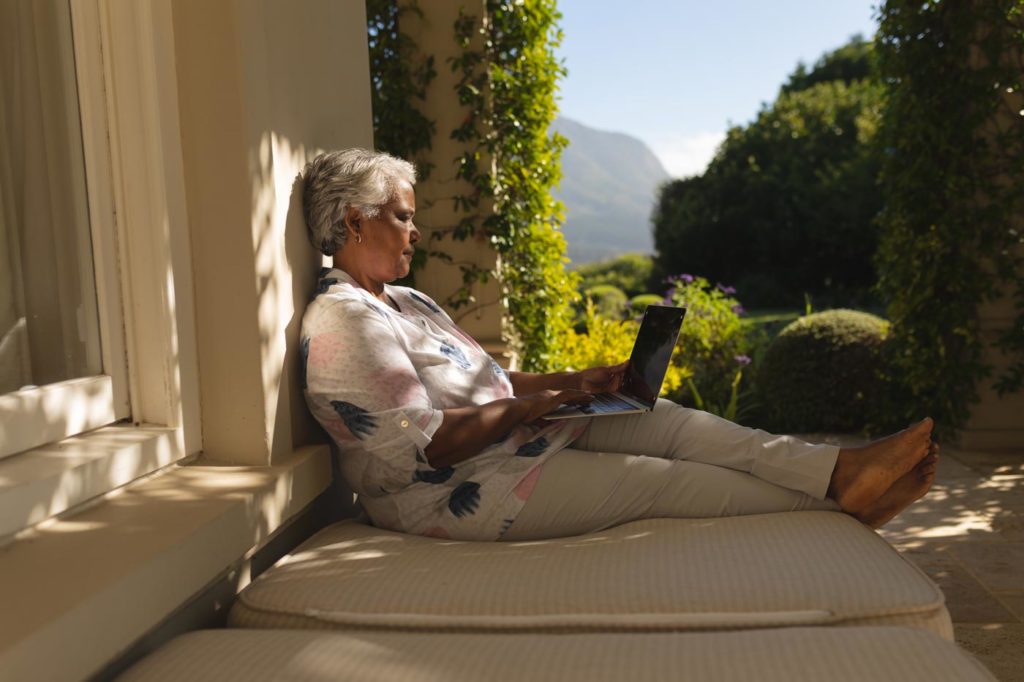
[[385, 252]]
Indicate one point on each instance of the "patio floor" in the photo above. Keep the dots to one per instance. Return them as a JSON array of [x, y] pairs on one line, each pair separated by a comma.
[[968, 535]]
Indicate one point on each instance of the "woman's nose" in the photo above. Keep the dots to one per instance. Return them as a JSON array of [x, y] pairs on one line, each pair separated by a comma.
[[414, 235]]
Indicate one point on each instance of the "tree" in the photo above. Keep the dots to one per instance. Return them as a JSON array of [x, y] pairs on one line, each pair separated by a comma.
[[954, 200], [787, 205], [852, 62]]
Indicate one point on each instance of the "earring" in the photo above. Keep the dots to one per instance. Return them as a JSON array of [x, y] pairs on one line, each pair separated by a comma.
[[359, 238]]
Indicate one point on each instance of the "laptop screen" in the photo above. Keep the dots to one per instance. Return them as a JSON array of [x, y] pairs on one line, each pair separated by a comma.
[[652, 351]]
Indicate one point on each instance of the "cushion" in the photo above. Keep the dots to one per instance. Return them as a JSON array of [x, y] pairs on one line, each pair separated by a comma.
[[799, 568], [834, 654]]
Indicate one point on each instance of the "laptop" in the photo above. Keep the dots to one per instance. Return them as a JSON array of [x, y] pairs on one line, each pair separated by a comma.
[[645, 372]]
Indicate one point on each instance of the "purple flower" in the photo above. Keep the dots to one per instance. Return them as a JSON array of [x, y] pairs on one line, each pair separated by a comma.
[[686, 278], [742, 360], [728, 291], [738, 309]]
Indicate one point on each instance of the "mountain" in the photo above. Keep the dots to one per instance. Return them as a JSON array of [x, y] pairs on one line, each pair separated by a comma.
[[609, 186]]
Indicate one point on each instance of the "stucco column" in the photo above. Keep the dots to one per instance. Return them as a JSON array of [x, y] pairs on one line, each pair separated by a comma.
[[997, 422], [264, 85], [433, 31]]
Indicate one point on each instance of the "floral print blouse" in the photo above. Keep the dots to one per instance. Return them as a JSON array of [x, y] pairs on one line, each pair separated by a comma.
[[378, 379]]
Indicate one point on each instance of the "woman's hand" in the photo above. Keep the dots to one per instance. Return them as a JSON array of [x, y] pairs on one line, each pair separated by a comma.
[[604, 379], [539, 404]]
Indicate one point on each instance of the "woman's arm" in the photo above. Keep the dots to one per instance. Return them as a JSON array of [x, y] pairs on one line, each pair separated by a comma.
[[592, 380], [465, 431], [525, 383]]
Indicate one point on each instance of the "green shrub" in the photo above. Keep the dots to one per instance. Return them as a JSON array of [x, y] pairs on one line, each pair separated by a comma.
[[709, 365], [609, 300], [714, 345], [638, 304], [821, 373], [629, 272], [608, 341]]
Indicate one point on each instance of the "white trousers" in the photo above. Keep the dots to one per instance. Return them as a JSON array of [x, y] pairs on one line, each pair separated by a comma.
[[672, 462]]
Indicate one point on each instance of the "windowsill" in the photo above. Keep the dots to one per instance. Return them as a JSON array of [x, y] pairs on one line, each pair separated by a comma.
[[78, 591], [38, 484]]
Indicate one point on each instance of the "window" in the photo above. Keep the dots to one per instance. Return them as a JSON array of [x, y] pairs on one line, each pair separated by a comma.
[[61, 371], [96, 316]]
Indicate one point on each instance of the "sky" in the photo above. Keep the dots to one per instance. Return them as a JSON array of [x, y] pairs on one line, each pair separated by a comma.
[[678, 73]]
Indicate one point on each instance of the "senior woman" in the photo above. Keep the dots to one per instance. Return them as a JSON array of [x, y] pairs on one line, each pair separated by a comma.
[[437, 439]]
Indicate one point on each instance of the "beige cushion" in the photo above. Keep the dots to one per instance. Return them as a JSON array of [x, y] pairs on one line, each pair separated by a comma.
[[834, 654], [806, 568]]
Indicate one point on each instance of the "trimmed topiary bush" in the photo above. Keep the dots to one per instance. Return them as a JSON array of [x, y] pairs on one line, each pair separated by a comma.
[[609, 299], [821, 373], [638, 304]]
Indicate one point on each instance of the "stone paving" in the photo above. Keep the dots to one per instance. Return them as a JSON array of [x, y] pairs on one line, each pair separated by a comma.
[[967, 533]]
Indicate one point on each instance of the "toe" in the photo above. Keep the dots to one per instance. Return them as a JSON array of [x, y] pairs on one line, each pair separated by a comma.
[[924, 428]]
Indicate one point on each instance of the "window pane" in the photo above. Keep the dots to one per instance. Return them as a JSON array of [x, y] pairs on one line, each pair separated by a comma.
[[49, 330]]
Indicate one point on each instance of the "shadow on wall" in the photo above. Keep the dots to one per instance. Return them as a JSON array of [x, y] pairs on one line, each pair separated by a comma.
[[286, 269], [286, 278]]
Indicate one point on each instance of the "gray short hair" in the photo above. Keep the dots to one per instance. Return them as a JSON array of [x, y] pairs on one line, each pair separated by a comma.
[[335, 181]]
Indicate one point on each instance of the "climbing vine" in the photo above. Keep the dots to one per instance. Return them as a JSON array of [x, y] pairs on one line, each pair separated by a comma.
[[399, 76], [507, 79], [953, 183]]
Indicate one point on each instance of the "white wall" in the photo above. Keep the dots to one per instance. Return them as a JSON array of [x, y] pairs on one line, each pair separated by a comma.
[[264, 85]]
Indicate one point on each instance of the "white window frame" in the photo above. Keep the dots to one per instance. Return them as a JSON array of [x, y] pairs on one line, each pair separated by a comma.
[[124, 56], [39, 415]]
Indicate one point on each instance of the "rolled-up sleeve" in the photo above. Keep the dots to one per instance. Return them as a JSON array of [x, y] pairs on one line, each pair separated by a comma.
[[365, 391]]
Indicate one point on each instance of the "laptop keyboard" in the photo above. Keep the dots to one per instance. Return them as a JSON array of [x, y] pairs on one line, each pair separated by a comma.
[[606, 402]]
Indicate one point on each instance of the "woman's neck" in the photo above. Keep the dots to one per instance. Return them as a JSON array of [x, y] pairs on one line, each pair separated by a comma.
[[361, 279]]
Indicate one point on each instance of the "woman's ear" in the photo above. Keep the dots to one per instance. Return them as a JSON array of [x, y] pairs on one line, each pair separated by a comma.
[[353, 221]]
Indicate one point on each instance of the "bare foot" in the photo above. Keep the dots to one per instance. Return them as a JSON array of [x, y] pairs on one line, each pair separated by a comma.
[[862, 475], [911, 487]]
